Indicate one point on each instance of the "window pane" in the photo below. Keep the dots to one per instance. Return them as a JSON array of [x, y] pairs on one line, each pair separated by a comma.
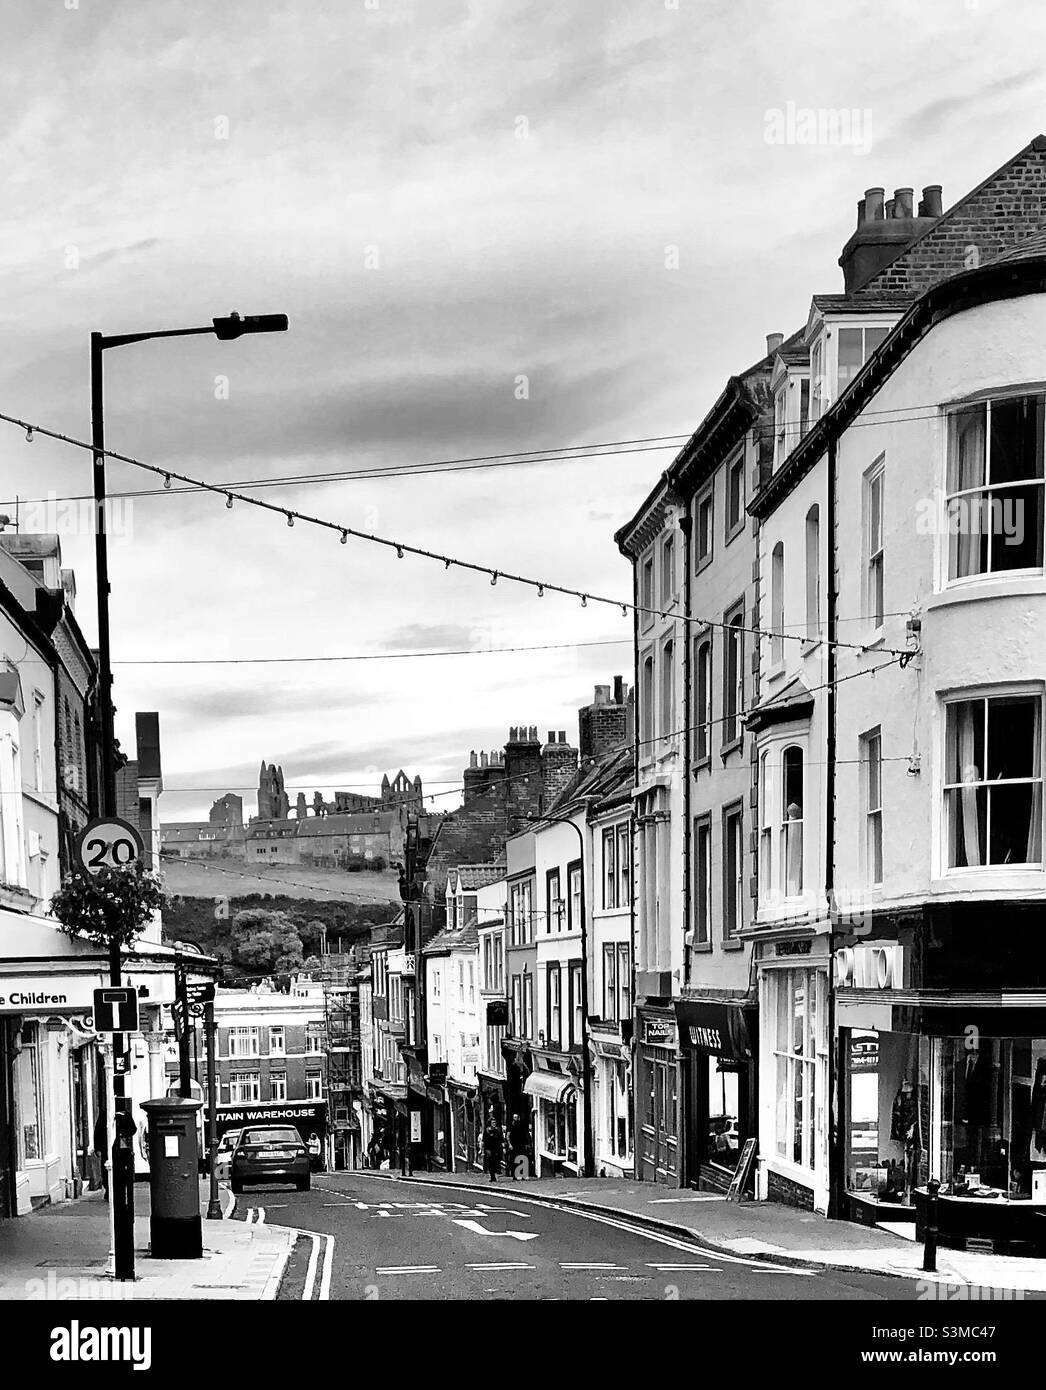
[[793, 779], [1016, 439], [965, 739], [1015, 833], [873, 338], [1013, 739], [966, 453], [798, 1011], [851, 355], [1014, 522], [874, 772], [781, 1125], [967, 812]]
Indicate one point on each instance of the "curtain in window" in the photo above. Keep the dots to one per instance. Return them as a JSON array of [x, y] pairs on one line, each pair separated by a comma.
[[968, 714], [1035, 815], [967, 471]]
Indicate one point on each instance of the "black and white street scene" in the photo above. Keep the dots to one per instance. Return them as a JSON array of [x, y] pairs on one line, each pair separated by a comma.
[[523, 662]]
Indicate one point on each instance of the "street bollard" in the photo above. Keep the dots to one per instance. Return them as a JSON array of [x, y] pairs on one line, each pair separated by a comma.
[[930, 1248]]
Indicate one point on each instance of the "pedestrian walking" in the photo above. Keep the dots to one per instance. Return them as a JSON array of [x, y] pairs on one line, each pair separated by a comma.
[[519, 1147], [493, 1147]]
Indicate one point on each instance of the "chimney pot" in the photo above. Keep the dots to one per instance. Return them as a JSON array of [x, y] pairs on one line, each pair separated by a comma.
[[483, 760], [533, 733], [902, 202], [860, 212], [932, 200], [873, 204], [889, 208], [562, 735], [619, 686], [773, 342], [551, 736], [472, 759]]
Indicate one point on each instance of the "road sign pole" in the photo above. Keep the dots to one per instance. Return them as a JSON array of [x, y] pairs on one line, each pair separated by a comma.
[[121, 1180]]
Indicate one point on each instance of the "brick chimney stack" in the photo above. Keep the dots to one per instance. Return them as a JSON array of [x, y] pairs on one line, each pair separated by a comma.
[[558, 765], [522, 766], [607, 723], [885, 226]]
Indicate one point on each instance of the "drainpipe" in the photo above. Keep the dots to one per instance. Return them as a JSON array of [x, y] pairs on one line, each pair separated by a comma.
[[685, 1062], [835, 1154]]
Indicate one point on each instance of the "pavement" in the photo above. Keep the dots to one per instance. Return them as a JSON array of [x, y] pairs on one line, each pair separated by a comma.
[[62, 1252], [783, 1234]]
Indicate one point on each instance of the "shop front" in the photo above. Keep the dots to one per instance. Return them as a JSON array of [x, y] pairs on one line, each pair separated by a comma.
[[555, 1098], [657, 1090], [466, 1126], [717, 1038], [945, 1084], [793, 1105], [614, 1106]]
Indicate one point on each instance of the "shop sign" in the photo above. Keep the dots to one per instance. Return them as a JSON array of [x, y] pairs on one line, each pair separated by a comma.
[[864, 1054], [39, 994], [793, 948], [718, 1029], [870, 967], [659, 1032]]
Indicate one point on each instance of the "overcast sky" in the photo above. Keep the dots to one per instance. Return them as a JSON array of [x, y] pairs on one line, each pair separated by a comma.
[[444, 196]]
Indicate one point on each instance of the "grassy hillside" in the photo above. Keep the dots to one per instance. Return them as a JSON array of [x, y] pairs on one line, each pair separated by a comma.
[[203, 899]]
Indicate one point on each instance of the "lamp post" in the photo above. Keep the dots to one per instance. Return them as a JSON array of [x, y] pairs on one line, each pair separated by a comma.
[[586, 1063], [232, 326]]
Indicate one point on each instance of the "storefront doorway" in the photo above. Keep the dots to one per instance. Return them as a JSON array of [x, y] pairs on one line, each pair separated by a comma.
[[659, 1089]]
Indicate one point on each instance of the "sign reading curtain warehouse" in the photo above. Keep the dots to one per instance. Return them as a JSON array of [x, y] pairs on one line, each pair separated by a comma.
[[307, 1118]]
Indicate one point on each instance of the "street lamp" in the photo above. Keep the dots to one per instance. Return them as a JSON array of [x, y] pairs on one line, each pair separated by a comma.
[[586, 1062], [232, 326]]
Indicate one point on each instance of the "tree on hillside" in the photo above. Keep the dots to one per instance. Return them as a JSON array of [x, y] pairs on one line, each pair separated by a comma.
[[264, 942]]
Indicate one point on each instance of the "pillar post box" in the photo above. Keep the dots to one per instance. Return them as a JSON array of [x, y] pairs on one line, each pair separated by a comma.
[[174, 1182]]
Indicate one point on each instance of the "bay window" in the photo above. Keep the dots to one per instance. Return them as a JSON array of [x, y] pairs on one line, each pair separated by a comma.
[[994, 501], [791, 866], [993, 781]]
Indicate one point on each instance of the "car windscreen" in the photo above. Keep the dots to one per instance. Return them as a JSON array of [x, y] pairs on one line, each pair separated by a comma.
[[261, 1138]]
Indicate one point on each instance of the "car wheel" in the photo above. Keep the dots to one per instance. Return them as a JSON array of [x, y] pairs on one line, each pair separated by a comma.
[[303, 1184], [236, 1186]]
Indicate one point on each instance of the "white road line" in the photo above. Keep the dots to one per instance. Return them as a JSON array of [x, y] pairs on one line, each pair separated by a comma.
[[665, 1269], [410, 1269], [581, 1264], [787, 1269], [501, 1266], [261, 1217], [325, 1278], [310, 1274]]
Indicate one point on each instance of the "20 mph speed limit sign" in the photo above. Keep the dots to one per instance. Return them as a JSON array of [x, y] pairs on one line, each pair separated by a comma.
[[110, 843]]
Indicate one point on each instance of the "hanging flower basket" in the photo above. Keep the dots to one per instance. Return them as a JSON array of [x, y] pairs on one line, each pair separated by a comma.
[[111, 905]]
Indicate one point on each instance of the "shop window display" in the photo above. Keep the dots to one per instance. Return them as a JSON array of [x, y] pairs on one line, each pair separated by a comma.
[[722, 1113], [993, 1116], [888, 1079]]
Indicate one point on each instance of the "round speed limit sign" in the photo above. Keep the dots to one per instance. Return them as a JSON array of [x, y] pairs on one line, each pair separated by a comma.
[[109, 843]]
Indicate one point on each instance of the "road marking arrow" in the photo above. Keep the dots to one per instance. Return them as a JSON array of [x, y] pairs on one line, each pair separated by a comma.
[[482, 1231]]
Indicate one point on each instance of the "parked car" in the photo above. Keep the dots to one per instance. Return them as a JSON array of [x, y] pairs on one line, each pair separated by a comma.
[[274, 1154], [223, 1158]]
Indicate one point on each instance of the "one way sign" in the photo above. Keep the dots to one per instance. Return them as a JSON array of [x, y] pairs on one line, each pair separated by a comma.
[[116, 1009]]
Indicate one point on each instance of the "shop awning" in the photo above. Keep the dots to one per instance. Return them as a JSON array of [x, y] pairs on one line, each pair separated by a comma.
[[548, 1085]]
